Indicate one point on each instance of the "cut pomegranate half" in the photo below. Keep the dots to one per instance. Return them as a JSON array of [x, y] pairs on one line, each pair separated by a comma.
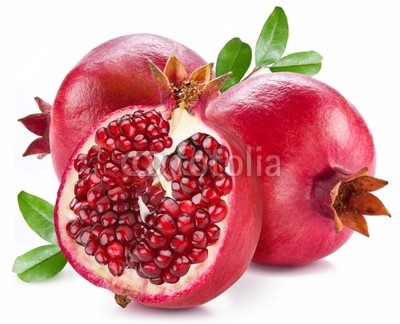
[[158, 207]]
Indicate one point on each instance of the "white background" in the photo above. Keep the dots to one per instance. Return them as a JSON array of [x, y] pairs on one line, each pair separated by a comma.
[[359, 42]]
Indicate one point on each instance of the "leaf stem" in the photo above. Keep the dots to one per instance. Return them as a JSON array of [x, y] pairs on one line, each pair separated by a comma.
[[256, 69]]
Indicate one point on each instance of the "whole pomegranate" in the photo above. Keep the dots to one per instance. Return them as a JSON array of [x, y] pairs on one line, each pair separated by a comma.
[[111, 76], [154, 205], [313, 153]]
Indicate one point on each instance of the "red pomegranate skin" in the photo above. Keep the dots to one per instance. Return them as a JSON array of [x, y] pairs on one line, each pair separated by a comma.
[[114, 75], [298, 130]]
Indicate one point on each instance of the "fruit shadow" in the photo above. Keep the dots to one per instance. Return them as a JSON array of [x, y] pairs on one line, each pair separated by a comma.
[[136, 309], [321, 266]]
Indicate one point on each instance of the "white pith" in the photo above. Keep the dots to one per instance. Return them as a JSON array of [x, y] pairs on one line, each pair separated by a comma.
[[183, 125]]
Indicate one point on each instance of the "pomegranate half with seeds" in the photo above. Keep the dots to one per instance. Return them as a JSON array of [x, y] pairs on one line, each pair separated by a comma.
[[156, 204]]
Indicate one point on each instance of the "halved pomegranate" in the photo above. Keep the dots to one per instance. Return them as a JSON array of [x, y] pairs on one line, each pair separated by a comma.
[[156, 204]]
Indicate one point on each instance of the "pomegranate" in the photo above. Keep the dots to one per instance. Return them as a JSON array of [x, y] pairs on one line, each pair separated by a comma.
[[315, 157], [171, 234], [112, 76]]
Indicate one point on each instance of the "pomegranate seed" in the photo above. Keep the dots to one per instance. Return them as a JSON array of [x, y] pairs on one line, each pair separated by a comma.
[[170, 278], [186, 150], [210, 195], [150, 269], [81, 189], [84, 235], [189, 168], [101, 136], [155, 240], [197, 199], [106, 236], [142, 252], [96, 230], [222, 155], [73, 227], [120, 208], [163, 259], [180, 267], [179, 244], [153, 131], [118, 195], [213, 232], [113, 129], [109, 145], [218, 211], [198, 255], [185, 223], [103, 204], [115, 250], [124, 233], [223, 183], [165, 225], [123, 144], [189, 185], [108, 219], [116, 267], [127, 128], [187, 207], [139, 142], [92, 180], [111, 170], [91, 247], [80, 162], [202, 218], [175, 167], [128, 219], [116, 157], [177, 191], [215, 168], [140, 124], [101, 256], [84, 213], [198, 138], [201, 159], [94, 195], [157, 146], [103, 156], [210, 144], [169, 206], [199, 239]]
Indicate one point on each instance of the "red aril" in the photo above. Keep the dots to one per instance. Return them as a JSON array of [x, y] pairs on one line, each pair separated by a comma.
[[315, 157], [111, 76], [154, 204]]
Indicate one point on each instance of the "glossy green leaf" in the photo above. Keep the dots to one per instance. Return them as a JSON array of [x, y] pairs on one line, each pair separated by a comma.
[[234, 57], [39, 264], [300, 62], [39, 215], [272, 41]]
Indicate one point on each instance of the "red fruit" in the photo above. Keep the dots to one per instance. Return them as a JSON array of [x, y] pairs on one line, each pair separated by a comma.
[[308, 144], [112, 76], [181, 241]]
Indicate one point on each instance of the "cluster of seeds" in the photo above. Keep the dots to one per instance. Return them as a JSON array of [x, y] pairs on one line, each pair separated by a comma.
[[124, 220]]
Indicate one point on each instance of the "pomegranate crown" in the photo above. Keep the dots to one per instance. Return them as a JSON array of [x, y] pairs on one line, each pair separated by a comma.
[[180, 90]]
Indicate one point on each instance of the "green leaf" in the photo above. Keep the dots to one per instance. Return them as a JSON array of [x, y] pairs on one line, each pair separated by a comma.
[[39, 215], [300, 62], [39, 264], [272, 41], [234, 57]]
